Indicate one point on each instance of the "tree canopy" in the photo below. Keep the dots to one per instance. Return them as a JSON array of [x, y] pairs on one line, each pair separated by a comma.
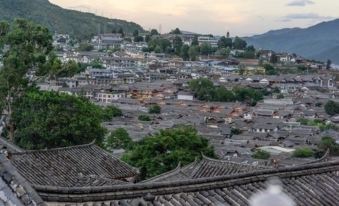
[[303, 152], [163, 151], [144, 118], [175, 31], [239, 43], [225, 42], [154, 109], [328, 143], [85, 47], [28, 50], [270, 70], [332, 108], [154, 32], [111, 111], [205, 90], [160, 45], [118, 139], [261, 154], [49, 120]]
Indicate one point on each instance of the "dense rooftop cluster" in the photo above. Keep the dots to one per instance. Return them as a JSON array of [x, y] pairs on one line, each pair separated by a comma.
[[159, 102]]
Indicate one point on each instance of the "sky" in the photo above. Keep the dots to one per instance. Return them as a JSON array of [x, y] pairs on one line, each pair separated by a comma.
[[239, 17]]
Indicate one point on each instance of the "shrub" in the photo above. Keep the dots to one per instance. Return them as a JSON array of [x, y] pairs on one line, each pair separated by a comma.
[[163, 151], [332, 108], [329, 143], [261, 154], [144, 118], [303, 152], [111, 111], [51, 120], [118, 139], [154, 109]]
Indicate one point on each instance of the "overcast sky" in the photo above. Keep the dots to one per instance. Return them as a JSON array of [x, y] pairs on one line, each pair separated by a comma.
[[240, 17]]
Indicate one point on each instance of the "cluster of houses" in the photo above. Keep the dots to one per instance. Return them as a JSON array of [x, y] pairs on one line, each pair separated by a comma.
[[133, 80]]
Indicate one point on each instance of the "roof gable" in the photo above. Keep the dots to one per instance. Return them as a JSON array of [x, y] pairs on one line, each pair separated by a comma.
[[85, 165]]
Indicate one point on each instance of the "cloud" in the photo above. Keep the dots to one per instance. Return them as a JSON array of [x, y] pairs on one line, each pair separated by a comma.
[[305, 16], [300, 3]]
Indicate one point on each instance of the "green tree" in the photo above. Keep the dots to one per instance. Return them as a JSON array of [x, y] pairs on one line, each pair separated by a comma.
[[163, 151], [154, 32], [159, 44], [303, 152], [270, 70], [249, 53], [261, 154], [135, 33], [109, 112], [28, 48], [224, 52], [51, 68], [175, 31], [69, 69], [195, 41], [224, 42], [248, 95], [280, 96], [148, 38], [193, 53], [205, 90], [138, 39], [274, 59], [97, 63], [328, 64], [221, 94], [177, 44], [144, 118], [85, 47], [118, 139], [239, 43], [332, 108], [235, 131], [328, 143], [154, 109], [184, 53], [121, 31], [205, 49], [50, 120]]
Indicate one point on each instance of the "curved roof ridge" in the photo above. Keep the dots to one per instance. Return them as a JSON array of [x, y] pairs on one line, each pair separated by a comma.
[[193, 184], [10, 145], [163, 175], [230, 162], [179, 169], [322, 159], [55, 149], [196, 161]]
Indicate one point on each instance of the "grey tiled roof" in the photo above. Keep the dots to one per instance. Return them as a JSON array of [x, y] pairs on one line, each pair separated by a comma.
[[85, 165], [314, 184], [207, 167], [14, 189]]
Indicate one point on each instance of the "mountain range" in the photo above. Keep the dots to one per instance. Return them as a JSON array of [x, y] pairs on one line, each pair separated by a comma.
[[79, 24], [319, 42]]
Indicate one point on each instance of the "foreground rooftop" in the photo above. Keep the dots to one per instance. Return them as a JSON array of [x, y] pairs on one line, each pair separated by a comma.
[[85, 175], [79, 166]]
